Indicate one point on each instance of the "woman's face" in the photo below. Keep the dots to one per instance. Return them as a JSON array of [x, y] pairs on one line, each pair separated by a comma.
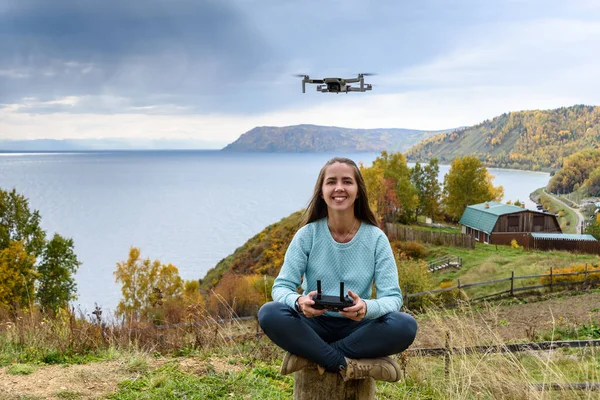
[[339, 188]]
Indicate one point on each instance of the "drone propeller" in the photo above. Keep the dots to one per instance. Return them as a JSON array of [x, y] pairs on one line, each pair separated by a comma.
[[300, 75], [368, 74]]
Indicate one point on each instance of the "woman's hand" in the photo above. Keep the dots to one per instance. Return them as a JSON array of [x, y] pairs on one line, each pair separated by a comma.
[[305, 306], [358, 310]]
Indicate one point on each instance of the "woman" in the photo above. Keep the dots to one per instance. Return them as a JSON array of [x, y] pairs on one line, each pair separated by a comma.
[[339, 242]]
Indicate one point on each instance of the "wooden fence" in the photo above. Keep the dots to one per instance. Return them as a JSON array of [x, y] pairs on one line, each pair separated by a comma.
[[589, 277], [580, 246], [404, 233]]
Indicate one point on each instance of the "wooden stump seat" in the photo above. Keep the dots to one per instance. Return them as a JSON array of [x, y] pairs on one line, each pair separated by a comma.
[[310, 385]]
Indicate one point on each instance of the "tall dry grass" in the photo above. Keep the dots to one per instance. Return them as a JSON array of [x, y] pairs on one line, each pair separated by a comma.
[[73, 336], [490, 375]]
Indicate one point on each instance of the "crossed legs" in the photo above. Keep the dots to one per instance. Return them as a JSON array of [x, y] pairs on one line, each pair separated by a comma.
[[328, 341]]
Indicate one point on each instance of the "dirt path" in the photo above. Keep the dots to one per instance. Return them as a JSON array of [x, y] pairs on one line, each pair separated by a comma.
[[91, 381], [580, 217]]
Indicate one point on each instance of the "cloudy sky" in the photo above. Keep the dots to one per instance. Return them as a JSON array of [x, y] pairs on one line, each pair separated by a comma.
[[213, 69]]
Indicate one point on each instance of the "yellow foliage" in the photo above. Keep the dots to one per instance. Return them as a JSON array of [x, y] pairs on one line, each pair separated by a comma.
[[146, 285], [592, 276], [414, 277], [235, 295], [17, 276]]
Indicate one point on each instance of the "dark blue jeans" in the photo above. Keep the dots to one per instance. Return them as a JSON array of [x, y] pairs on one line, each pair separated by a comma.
[[328, 340]]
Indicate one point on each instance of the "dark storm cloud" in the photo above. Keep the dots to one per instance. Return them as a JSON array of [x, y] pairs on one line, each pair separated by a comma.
[[148, 51], [237, 56]]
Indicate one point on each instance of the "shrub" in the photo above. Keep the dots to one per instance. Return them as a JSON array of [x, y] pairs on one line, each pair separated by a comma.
[[234, 295], [449, 297], [514, 244], [409, 250], [415, 250], [414, 278], [263, 284], [593, 274]]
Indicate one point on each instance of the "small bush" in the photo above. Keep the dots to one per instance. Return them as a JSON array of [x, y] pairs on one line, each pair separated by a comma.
[[450, 297], [235, 295], [20, 369], [592, 277], [409, 250], [514, 244], [414, 278]]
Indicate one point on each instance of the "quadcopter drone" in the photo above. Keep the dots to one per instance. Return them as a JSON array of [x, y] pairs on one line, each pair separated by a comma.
[[337, 85]]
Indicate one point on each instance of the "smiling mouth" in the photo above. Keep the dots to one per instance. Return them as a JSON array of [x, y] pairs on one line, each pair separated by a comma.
[[339, 199]]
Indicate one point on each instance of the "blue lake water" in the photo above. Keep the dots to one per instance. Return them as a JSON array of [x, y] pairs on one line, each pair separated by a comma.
[[188, 208]]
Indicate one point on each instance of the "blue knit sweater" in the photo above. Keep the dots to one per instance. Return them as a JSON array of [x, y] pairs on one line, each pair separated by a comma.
[[314, 255]]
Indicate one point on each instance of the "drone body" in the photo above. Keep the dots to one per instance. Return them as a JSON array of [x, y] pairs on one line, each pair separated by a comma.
[[337, 85]]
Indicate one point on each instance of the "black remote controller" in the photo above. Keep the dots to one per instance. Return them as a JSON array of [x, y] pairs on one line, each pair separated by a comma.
[[332, 303]]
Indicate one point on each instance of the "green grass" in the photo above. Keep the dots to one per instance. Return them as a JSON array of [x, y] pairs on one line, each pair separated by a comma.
[[21, 369], [68, 395], [491, 262], [425, 378], [11, 353], [168, 382]]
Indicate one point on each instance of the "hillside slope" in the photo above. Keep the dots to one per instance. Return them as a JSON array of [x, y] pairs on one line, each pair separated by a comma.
[[315, 138], [261, 254], [533, 140]]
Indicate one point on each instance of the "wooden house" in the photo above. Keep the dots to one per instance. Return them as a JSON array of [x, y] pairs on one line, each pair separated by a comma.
[[499, 223]]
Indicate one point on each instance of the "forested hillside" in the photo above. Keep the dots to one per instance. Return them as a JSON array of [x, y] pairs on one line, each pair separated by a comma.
[[533, 140], [580, 170]]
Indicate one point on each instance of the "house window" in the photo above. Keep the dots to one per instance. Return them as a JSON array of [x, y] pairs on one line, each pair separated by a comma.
[[486, 238], [477, 235]]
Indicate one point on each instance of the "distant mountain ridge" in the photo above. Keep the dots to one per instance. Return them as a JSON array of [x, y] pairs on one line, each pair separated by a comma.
[[105, 144], [316, 138], [533, 140]]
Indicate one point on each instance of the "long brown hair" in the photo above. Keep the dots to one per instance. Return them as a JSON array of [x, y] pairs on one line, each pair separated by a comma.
[[317, 208]]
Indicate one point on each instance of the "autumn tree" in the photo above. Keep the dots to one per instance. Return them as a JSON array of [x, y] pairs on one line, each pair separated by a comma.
[[417, 177], [29, 260], [592, 183], [576, 169], [430, 195], [468, 182], [19, 224], [56, 284], [145, 284], [17, 276], [396, 171], [375, 183]]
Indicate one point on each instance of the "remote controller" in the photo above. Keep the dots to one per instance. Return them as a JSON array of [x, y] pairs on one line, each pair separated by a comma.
[[331, 303]]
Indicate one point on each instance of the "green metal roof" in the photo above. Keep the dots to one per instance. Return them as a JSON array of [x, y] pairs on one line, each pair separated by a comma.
[[477, 216], [562, 236]]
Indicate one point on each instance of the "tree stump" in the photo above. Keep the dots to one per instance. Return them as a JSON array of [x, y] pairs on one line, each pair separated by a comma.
[[309, 385]]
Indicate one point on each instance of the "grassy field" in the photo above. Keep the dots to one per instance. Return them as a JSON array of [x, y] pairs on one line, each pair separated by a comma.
[[77, 359], [249, 369], [491, 262]]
